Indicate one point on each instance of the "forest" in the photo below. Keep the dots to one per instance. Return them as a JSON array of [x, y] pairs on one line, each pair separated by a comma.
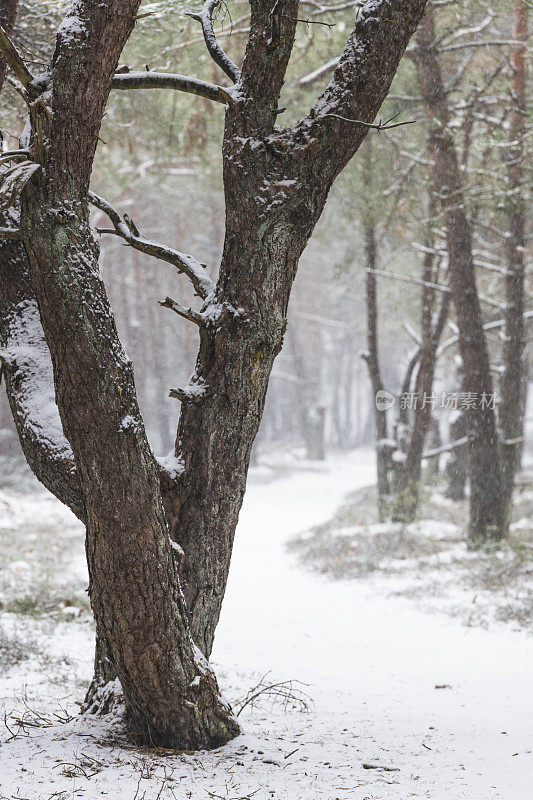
[[266, 434]]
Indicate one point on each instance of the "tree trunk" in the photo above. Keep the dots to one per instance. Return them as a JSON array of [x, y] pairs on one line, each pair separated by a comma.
[[511, 409], [409, 472], [371, 357], [171, 694], [457, 464], [487, 518]]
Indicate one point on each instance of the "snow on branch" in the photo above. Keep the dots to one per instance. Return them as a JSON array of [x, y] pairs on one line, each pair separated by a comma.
[[124, 227], [205, 18], [163, 80], [183, 311]]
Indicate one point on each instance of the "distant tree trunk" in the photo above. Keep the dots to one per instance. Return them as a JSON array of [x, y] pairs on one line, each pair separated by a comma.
[[435, 441], [311, 415], [409, 471], [511, 409], [371, 357], [456, 470], [487, 517]]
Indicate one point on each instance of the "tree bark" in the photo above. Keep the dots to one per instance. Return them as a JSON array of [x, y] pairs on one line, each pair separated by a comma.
[[487, 518], [511, 409]]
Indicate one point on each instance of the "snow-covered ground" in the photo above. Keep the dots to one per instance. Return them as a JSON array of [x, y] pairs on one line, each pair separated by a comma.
[[377, 729]]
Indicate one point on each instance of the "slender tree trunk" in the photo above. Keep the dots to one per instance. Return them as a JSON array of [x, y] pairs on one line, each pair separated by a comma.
[[487, 518], [511, 409], [409, 472], [371, 357], [457, 460]]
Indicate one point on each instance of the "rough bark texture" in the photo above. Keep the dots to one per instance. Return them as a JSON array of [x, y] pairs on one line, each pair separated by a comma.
[[486, 501], [511, 409]]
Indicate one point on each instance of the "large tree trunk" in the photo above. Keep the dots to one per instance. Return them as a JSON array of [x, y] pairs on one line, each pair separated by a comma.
[[487, 517], [511, 409], [171, 694]]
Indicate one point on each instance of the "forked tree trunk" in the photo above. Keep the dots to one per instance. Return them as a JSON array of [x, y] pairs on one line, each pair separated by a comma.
[[276, 184], [171, 694], [511, 408], [487, 512]]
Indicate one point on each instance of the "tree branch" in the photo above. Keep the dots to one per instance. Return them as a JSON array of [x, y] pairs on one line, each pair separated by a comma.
[[409, 279], [163, 80], [359, 85], [205, 17], [14, 59], [125, 228], [324, 69], [183, 311], [27, 368]]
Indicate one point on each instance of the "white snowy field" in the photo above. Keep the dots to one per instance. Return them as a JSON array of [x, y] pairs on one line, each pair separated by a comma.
[[377, 728]]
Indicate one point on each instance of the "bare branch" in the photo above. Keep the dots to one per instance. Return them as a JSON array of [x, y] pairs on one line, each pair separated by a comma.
[[468, 45], [163, 80], [205, 17], [314, 76], [378, 126], [488, 326], [446, 448], [408, 279], [14, 59], [186, 264], [183, 311]]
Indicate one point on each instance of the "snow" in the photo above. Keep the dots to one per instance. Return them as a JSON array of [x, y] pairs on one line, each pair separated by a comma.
[[29, 357], [171, 464], [371, 664]]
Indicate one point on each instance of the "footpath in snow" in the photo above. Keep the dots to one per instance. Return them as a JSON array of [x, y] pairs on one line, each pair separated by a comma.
[[377, 728]]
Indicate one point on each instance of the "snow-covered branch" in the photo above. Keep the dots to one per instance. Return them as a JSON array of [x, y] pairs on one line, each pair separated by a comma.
[[14, 60], [163, 80], [183, 311], [205, 18], [126, 229]]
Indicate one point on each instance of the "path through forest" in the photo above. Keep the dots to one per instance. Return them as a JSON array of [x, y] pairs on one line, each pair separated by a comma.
[[378, 728]]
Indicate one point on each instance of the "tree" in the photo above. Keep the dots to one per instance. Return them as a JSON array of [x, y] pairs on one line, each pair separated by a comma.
[[276, 184], [511, 407], [487, 511]]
